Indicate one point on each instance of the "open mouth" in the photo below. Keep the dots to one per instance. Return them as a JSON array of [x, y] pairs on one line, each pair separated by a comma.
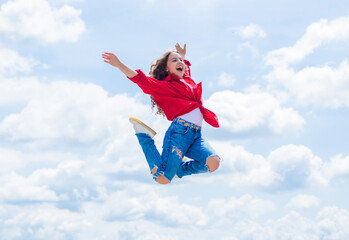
[[179, 69]]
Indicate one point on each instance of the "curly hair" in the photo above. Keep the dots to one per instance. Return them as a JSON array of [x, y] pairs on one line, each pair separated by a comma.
[[159, 71]]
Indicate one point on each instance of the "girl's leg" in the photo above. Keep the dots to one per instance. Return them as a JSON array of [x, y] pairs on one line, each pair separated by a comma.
[[177, 140], [191, 167], [151, 153], [204, 158]]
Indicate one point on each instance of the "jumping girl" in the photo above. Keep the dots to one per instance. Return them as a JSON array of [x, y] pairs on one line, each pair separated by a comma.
[[177, 97]]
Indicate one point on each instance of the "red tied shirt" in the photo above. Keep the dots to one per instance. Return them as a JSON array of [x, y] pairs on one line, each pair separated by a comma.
[[174, 97]]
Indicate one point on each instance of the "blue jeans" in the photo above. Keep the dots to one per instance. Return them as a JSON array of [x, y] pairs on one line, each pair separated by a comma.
[[181, 139]]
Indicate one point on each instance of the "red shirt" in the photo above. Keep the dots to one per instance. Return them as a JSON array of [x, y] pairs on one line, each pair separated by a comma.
[[174, 97]]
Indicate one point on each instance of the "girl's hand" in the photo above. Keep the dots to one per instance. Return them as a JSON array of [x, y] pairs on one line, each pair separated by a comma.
[[181, 51], [112, 59]]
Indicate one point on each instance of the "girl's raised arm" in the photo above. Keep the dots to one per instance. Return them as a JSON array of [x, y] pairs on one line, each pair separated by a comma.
[[180, 50], [113, 60]]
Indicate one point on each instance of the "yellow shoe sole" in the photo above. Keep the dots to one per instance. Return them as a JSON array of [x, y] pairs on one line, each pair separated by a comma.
[[144, 125]]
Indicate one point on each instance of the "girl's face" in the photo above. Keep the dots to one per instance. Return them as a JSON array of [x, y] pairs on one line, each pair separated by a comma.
[[175, 65]]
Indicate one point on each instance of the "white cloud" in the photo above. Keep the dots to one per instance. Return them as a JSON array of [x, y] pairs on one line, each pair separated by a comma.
[[9, 160], [254, 50], [130, 208], [21, 90], [333, 223], [71, 110], [330, 223], [242, 112], [316, 35], [11, 63], [71, 1], [243, 168], [338, 166], [251, 31], [320, 86], [70, 179], [287, 167], [245, 207], [290, 226], [295, 166], [144, 201], [63, 176], [294, 226], [16, 188], [303, 201], [75, 183], [226, 80], [41, 221], [323, 86], [37, 19]]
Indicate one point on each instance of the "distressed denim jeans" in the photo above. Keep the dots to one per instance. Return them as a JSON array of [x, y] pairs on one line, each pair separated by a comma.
[[181, 139]]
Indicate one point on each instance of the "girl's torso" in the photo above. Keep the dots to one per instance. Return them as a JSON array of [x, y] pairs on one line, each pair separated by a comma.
[[195, 116]]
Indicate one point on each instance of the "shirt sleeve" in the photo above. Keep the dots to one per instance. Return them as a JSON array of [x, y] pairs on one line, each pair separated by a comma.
[[148, 85], [139, 77], [188, 64]]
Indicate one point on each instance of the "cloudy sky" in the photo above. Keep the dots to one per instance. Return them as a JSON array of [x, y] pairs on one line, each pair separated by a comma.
[[275, 72]]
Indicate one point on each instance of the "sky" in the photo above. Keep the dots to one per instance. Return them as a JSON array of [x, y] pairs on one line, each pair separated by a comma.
[[276, 73]]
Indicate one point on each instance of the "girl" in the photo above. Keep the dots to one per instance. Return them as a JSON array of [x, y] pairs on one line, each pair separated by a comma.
[[178, 98]]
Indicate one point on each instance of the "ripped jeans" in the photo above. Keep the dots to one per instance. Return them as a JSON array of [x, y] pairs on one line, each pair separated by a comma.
[[181, 139]]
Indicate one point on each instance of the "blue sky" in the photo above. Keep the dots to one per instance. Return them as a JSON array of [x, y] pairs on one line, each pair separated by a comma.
[[276, 74]]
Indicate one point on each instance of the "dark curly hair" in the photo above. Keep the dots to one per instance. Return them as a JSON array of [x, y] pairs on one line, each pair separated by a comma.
[[158, 70]]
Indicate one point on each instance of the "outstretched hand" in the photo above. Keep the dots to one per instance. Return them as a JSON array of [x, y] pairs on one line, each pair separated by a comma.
[[111, 58], [181, 51]]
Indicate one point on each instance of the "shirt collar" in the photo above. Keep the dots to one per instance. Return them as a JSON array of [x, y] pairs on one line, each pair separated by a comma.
[[171, 77]]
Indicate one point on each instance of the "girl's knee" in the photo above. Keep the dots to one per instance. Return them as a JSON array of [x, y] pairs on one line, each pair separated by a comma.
[[162, 180], [212, 163]]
